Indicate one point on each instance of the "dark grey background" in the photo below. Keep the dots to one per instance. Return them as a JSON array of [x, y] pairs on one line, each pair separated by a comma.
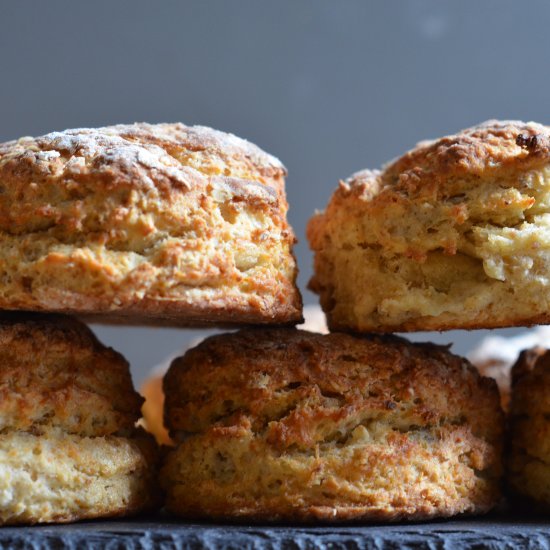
[[328, 86]]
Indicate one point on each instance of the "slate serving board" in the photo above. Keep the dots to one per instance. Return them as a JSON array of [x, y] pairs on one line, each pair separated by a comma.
[[493, 533]]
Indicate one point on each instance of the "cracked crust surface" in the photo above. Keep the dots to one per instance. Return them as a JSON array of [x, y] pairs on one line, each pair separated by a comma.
[[69, 448], [150, 223], [528, 468], [454, 234], [152, 391], [285, 424]]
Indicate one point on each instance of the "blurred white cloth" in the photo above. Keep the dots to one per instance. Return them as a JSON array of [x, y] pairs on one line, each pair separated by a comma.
[[495, 356], [505, 350]]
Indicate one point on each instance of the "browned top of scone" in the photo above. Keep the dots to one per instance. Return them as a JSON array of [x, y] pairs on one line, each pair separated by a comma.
[[437, 168], [55, 374], [38, 174], [484, 150], [297, 388], [138, 154]]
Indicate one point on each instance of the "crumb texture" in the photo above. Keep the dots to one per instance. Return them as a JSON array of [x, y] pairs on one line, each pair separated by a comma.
[[164, 222], [58, 477], [285, 424], [454, 234]]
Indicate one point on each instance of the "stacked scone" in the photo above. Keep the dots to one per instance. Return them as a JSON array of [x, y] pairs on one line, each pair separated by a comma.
[[142, 223], [285, 424], [453, 235]]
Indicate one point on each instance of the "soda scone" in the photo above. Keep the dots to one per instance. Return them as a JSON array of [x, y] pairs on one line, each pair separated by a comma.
[[69, 448], [281, 424], [454, 234], [160, 223], [528, 468]]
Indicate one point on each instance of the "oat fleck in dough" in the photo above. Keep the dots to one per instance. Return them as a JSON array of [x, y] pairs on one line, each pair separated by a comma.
[[139, 223], [454, 234], [281, 424]]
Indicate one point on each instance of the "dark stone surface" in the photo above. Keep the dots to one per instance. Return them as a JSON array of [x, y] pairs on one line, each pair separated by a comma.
[[166, 533]]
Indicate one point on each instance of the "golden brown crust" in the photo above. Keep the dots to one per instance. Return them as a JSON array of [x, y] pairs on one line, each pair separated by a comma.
[[56, 374], [486, 150], [162, 223], [528, 463], [451, 235], [141, 154], [281, 424]]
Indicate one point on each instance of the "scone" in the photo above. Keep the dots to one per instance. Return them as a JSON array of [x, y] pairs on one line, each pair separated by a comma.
[[151, 389], [283, 424], [146, 223], [455, 234], [69, 448], [528, 471]]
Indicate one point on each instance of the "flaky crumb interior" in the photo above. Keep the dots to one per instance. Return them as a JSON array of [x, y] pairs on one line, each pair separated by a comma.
[[480, 256], [373, 471], [134, 245], [60, 477]]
